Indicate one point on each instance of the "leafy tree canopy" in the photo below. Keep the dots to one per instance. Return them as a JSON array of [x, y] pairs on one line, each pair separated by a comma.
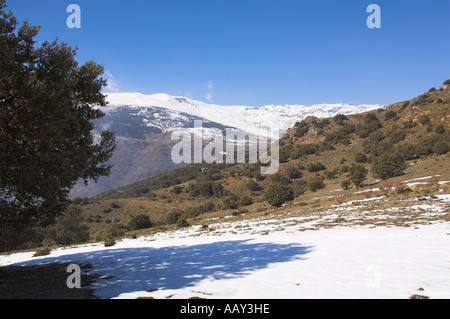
[[46, 111]]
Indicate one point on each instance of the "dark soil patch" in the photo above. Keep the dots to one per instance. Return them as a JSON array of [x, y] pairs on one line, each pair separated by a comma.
[[43, 282]]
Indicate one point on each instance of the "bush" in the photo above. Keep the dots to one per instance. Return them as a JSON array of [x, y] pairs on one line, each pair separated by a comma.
[[245, 201], [293, 173], [315, 183], [315, 167], [253, 186], [390, 114], [279, 178], [173, 217], [111, 233], [140, 221], [358, 174], [279, 194], [447, 82], [388, 165], [440, 129], [441, 147], [299, 187], [182, 223], [346, 184], [339, 119], [424, 119], [69, 228], [360, 158], [231, 202]]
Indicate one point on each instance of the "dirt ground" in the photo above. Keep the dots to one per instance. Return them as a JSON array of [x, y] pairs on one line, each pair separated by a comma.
[[42, 282]]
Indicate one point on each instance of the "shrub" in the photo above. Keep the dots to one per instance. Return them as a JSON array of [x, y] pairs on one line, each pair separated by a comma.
[[253, 186], [69, 228], [299, 187], [441, 147], [231, 202], [301, 128], [360, 158], [315, 183], [245, 201], [388, 165], [346, 184], [111, 233], [440, 129], [424, 119], [447, 82], [182, 223], [140, 221], [340, 118], [279, 178], [390, 114], [293, 173], [173, 217], [315, 167], [279, 194], [358, 174]]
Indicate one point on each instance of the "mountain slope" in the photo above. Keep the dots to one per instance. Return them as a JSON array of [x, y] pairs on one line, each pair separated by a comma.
[[251, 119], [317, 156], [143, 124]]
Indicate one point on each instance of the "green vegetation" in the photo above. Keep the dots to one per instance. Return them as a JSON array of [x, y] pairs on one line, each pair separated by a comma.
[[279, 194], [46, 119]]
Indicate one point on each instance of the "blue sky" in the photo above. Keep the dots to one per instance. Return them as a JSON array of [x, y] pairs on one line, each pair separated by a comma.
[[257, 52]]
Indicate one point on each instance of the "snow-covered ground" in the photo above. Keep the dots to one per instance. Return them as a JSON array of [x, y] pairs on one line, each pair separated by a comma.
[[297, 256]]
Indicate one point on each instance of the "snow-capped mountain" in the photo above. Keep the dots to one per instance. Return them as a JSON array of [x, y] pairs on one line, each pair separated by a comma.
[[252, 119], [143, 125]]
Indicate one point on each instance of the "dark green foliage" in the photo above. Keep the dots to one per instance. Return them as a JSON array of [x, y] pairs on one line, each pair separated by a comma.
[[231, 202], [390, 114], [441, 147], [245, 201], [301, 128], [339, 119], [173, 217], [140, 221], [299, 187], [388, 165], [205, 188], [447, 82], [46, 115], [370, 125], [304, 149], [293, 173], [253, 186], [176, 189], [315, 167], [279, 194], [279, 178], [360, 158], [424, 119], [321, 124], [315, 183], [440, 129], [69, 228], [346, 184], [111, 233], [409, 124], [331, 174], [358, 174], [340, 134]]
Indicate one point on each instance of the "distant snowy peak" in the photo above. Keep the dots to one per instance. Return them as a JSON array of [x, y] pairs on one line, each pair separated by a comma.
[[252, 119]]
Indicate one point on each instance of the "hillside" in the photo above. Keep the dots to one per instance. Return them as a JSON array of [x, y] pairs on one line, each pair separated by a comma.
[[323, 162], [325, 226], [314, 150]]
